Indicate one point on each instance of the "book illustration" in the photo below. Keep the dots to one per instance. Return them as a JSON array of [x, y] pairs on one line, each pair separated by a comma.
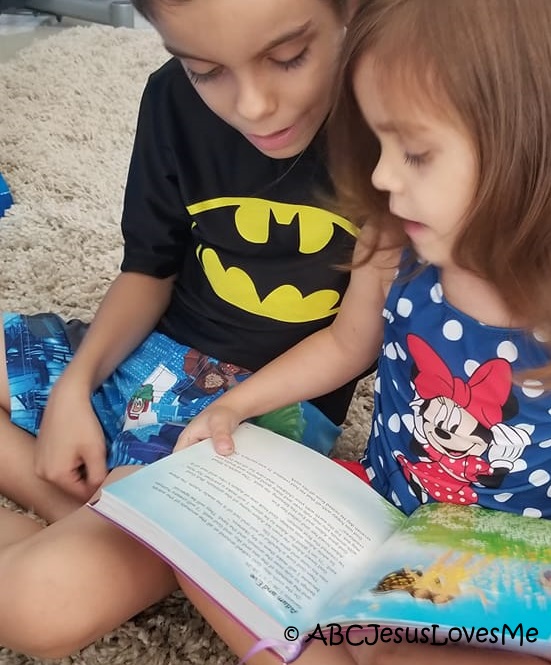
[[458, 566], [440, 582], [288, 421]]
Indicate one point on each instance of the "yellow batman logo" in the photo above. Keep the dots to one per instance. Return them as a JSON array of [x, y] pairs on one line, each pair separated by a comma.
[[253, 220]]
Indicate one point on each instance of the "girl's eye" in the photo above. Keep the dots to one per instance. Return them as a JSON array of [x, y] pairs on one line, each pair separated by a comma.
[[293, 62], [205, 77], [416, 160]]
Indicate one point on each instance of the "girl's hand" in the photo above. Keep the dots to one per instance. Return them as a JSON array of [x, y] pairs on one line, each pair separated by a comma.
[[215, 422]]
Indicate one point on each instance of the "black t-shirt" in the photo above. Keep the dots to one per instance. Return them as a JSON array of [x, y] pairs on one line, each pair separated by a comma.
[[255, 252]]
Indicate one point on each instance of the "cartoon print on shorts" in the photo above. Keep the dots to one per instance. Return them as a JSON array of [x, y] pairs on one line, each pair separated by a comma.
[[460, 435], [166, 396], [206, 376]]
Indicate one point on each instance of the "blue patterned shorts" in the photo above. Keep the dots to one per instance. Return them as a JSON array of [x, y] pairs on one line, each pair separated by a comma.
[[145, 403]]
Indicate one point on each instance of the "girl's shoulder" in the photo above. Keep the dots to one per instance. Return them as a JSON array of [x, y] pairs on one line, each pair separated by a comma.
[[378, 253]]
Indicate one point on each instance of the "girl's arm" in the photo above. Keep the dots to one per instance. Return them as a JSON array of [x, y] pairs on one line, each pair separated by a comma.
[[320, 363]]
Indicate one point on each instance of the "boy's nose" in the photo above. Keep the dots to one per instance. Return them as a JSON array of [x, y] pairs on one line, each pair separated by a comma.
[[255, 99]]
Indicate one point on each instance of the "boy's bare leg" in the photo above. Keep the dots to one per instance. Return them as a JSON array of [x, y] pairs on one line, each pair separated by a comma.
[[68, 584], [65, 585], [14, 527], [18, 480]]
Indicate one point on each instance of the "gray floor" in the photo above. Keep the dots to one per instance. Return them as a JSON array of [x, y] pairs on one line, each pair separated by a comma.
[[20, 30]]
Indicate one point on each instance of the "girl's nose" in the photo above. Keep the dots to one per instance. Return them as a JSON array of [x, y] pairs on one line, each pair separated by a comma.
[[384, 177]]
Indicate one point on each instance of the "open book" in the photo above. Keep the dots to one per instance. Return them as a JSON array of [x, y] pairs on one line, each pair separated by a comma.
[[297, 548]]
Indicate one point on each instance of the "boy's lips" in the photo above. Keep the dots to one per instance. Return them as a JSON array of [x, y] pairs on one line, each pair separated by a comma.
[[274, 141]]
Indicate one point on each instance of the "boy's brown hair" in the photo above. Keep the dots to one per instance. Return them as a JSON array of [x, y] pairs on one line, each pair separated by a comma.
[[489, 63], [147, 7]]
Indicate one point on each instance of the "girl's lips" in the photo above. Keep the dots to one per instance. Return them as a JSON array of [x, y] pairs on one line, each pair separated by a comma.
[[275, 141], [413, 228]]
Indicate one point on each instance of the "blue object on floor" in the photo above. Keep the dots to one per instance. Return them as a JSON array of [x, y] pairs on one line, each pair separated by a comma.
[[5, 197]]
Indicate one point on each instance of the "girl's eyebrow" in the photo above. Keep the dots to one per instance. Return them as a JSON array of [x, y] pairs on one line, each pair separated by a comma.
[[296, 33]]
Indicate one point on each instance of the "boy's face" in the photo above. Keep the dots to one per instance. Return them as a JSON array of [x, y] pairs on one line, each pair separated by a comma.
[[266, 67], [427, 165]]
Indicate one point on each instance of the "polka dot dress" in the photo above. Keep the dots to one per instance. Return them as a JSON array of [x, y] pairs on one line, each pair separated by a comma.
[[449, 423]]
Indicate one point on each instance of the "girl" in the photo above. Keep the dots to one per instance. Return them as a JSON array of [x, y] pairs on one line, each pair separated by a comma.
[[442, 145], [229, 261]]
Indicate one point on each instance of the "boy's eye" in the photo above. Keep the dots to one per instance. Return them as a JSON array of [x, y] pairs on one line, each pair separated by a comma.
[[295, 61], [416, 159], [202, 77]]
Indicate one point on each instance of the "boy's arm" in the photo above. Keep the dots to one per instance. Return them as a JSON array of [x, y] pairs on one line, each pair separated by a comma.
[[71, 445], [322, 362]]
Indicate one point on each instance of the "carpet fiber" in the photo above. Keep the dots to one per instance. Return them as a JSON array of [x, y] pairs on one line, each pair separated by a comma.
[[68, 108]]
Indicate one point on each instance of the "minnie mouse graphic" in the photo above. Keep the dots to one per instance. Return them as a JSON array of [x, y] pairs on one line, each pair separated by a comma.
[[458, 422]]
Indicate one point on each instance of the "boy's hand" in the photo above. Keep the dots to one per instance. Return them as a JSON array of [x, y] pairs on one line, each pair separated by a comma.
[[70, 450], [216, 422]]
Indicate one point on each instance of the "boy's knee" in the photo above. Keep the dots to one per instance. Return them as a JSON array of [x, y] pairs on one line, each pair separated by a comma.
[[38, 613]]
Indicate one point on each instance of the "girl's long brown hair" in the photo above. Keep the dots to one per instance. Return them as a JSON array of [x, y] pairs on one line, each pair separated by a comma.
[[489, 62]]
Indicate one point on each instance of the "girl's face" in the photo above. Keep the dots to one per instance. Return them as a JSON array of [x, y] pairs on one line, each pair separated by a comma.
[[427, 165], [266, 67]]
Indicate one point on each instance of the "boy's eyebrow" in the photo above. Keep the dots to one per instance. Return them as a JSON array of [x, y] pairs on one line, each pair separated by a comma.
[[282, 39]]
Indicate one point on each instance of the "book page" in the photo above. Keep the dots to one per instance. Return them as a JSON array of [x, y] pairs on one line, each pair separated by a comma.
[[281, 523], [464, 568]]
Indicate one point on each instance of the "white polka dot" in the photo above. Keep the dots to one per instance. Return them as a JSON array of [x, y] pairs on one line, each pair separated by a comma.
[[380, 418], [395, 499], [400, 351], [377, 386], [470, 367], [545, 444], [375, 429], [410, 490], [381, 462], [390, 351], [541, 336], [526, 427], [452, 330], [503, 497], [404, 307], [395, 384], [409, 422], [508, 351], [549, 491], [388, 315], [532, 512], [394, 423], [532, 388], [449, 497], [519, 465], [437, 494], [436, 293], [539, 477]]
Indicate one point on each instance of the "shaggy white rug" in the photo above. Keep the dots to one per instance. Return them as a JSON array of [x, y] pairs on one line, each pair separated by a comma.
[[68, 108]]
